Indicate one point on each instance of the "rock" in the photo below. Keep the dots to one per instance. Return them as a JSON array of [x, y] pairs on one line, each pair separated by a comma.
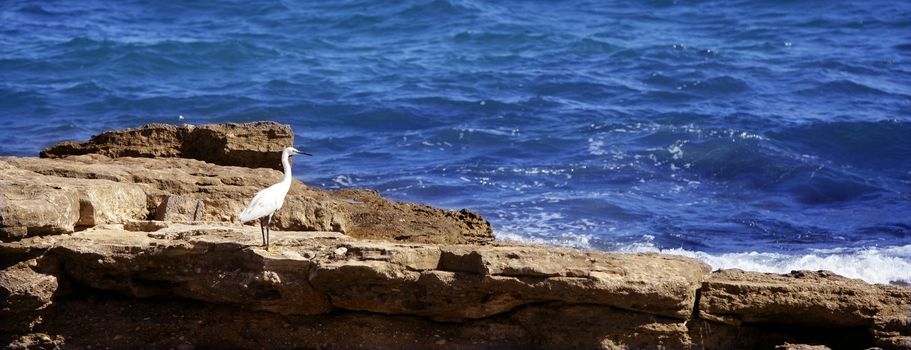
[[600, 327], [307, 209], [811, 300], [107, 202], [619, 281], [177, 189], [152, 140], [789, 346], [213, 285], [24, 291], [184, 263], [802, 298], [377, 217], [255, 145], [369, 273], [35, 204], [28, 209], [180, 208], [36, 341], [180, 189], [221, 264], [147, 323], [252, 145]]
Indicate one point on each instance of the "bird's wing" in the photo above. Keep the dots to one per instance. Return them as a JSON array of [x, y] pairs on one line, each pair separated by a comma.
[[264, 203]]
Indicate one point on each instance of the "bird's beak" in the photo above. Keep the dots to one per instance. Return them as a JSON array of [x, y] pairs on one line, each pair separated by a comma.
[[296, 152]]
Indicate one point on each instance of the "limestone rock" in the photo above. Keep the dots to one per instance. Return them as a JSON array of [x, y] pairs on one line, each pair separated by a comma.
[[377, 217], [558, 326], [211, 283], [224, 265], [180, 263], [256, 145], [28, 209], [152, 140], [35, 204], [252, 145], [119, 323], [23, 292], [510, 276], [107, 202], [809, 299], [157, 157], [180, 208], [178, 189], [802, 298]]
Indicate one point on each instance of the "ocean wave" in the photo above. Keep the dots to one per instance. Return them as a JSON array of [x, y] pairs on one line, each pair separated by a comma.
[[845, 87], [880, 145]]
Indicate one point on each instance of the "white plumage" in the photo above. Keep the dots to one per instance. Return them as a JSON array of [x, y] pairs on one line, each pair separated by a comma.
[[269, 200], [266, 202]]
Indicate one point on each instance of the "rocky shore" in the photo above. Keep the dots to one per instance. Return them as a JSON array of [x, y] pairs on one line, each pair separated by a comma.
[[130, 240]]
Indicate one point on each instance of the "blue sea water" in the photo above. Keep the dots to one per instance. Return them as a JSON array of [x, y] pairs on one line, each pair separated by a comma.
[[764, 135]]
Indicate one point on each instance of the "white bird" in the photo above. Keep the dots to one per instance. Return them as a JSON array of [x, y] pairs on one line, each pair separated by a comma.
[[269, 200]]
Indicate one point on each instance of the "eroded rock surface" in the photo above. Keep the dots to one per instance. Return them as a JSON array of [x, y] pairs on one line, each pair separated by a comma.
[[442, 296], [255, 145], [809, 299], [82, 265], [223, 264], [41, 196]]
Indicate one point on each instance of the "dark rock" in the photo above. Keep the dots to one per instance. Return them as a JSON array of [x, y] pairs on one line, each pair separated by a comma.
[[254, 145]]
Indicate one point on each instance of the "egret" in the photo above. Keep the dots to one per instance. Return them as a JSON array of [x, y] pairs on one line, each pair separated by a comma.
[[267, 201]]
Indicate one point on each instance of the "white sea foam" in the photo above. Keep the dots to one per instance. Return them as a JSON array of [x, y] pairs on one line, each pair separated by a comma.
[[566, 240], [871, 264]]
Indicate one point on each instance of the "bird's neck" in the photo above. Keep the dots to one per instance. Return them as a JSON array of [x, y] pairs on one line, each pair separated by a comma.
[[286, 165]]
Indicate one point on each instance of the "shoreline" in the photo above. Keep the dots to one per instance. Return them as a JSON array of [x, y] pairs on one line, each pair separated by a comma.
[[877, 265], [149, 248]]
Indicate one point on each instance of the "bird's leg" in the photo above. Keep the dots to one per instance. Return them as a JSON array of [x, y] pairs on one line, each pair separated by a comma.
[[262, 228], [268, 230]]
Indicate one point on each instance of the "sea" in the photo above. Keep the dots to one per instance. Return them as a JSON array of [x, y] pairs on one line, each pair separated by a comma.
[[762, 135]]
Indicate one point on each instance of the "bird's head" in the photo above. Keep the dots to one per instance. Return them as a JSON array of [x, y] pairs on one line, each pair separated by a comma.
[[291, 151]]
